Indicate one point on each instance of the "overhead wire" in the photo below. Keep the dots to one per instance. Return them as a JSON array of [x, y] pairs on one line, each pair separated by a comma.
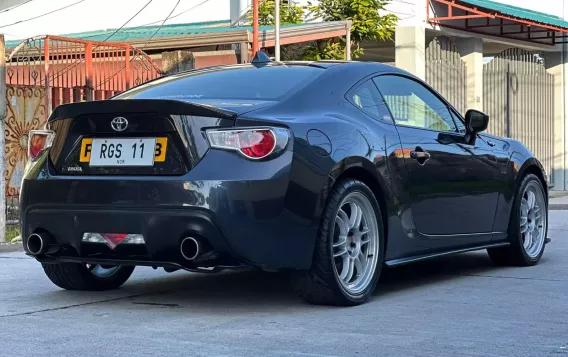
[[147, 41], [42, 15], [73, 65], [15, 6], [126, 23], [162, 24], [177, 15], [155, 22]]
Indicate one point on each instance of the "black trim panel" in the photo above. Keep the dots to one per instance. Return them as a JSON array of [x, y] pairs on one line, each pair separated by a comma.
[[171, 107], [417, 258]]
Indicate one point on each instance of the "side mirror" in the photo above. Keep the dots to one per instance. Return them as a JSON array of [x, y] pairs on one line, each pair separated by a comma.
[[476, 121]]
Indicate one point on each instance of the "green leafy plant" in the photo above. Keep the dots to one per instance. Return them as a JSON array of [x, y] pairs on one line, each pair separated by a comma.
[[289, 14], [368, 24]]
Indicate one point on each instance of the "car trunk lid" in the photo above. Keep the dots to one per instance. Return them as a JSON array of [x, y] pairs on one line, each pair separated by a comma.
[[118, 137]]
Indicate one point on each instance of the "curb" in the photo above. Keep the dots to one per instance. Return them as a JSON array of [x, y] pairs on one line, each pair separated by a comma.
[[558, 206], [11, 247]]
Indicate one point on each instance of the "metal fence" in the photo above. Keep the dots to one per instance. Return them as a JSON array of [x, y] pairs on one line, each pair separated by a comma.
[[446, 72], [46, 71], [73, 70], [12, 211], [519, 98]]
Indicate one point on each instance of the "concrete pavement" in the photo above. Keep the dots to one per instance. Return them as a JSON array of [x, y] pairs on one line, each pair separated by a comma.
[[558, 201], [455, 306]]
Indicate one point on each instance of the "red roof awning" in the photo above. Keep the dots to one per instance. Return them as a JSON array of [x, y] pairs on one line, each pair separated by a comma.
[[487, 17]]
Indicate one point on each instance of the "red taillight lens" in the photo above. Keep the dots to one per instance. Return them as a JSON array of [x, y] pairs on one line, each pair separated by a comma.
[[252, 143], [257, 144], [38, 141]]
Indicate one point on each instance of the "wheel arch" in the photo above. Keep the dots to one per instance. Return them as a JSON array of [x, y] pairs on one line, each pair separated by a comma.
[[532, 166], [362, 169]]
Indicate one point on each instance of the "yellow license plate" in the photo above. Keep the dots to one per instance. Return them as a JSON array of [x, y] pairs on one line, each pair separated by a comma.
[[159, 150]]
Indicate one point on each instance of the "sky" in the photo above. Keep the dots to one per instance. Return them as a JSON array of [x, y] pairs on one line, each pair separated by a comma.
[[102, 14], [89, 15]]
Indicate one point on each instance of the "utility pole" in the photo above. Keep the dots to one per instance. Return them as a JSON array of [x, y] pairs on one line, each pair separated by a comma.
[[277, 30], [2, 140], [255, 47]]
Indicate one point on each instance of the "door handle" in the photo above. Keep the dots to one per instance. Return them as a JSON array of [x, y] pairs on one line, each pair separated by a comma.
[[490, 143], [420, 155]]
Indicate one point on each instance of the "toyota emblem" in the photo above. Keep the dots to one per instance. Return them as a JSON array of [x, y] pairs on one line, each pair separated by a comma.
[[119, 124]]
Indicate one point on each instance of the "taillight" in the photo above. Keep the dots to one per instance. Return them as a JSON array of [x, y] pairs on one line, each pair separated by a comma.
[[254, 143], [38, 141]]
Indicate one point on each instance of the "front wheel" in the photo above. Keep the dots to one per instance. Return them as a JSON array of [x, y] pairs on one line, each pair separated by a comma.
[[528, 226], [349, 250], [77, 276]]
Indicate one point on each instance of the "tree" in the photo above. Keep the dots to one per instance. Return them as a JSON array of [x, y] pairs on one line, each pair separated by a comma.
[[289, 14], [368, 24]]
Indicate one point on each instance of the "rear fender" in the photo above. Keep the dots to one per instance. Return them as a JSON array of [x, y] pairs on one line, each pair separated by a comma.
[[362, 169]]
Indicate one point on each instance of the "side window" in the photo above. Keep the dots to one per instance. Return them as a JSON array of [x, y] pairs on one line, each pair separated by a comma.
[[369, 100], [459, 122], [413, 104]]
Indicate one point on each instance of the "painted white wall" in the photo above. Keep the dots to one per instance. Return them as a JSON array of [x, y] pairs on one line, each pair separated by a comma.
[[103, 14]]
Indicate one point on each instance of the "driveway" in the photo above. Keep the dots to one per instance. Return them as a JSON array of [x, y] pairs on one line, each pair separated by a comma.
[[454, 306]]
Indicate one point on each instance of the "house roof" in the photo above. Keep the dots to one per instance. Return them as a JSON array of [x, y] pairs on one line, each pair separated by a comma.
[[520, 12], [136, 35], [491, 18]]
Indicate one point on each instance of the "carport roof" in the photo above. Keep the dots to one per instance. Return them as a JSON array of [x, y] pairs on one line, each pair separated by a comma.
[[497, 19], [207, 33], [520, 12]]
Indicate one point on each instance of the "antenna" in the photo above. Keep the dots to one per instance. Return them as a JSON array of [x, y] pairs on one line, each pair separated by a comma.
[[261, 59]]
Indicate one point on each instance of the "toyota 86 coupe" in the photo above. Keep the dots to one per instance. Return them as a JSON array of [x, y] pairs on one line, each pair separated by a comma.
[[326, 171]]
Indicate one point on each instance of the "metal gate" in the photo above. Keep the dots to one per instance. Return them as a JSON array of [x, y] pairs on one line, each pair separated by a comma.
[[446, 72], [518, 95], [25, 111], [47, 71], [72, 70]]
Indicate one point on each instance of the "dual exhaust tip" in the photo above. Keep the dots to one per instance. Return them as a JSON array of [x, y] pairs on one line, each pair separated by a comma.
[[190, 248], [38, 244]]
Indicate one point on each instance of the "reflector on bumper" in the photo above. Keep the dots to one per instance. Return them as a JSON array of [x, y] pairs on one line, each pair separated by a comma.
[[113, 239]]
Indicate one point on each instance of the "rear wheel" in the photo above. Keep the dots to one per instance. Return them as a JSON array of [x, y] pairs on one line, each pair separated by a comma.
[[349, 250], [77, 276], [528, 226]]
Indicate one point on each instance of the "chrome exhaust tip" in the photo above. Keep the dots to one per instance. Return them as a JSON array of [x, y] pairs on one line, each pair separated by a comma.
[[36, 243], [189, 248]]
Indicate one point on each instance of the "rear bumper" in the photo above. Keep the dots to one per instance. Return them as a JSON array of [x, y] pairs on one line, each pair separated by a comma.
[[267, 222]]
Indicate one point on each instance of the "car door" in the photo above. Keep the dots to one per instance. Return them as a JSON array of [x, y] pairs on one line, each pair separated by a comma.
[[452, 186]]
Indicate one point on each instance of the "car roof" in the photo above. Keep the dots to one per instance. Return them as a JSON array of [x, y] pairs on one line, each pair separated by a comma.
[[323, 64]]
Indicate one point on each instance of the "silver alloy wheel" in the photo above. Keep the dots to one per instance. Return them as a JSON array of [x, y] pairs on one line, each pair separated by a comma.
[[533, 219], [101, 271], [355, 243]]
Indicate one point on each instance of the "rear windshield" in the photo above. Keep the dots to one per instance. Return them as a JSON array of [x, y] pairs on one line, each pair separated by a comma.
[[266, 83]]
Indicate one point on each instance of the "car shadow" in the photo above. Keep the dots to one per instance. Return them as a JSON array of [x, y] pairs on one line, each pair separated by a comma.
[[434, 271], [256, 290], [235, 292]]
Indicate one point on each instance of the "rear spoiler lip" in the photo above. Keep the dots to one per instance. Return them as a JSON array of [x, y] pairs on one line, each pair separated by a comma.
[[118, 106]]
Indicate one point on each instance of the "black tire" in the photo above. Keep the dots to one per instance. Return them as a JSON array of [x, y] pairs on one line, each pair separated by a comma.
[[320, 284], [76, 276], [515, 254]]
